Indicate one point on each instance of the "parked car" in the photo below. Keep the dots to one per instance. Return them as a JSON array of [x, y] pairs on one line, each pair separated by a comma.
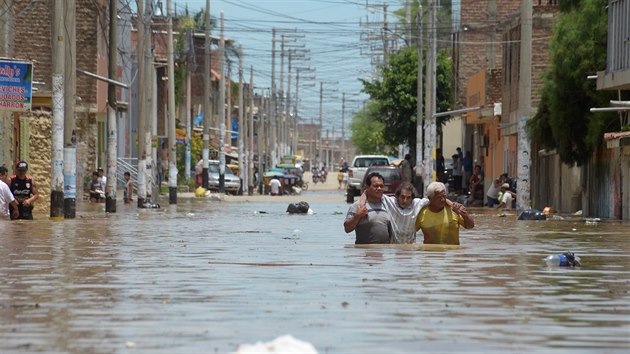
[[391, 175], [356, 172], [232, 182]]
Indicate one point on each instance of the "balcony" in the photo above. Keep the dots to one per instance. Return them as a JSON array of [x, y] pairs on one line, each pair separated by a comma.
[[617, 74]]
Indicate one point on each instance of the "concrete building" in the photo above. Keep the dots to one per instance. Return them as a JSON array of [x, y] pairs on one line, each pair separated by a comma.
[[617, 77], [477, 72]]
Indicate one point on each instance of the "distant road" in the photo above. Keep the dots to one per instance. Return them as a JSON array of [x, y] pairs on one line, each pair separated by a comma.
[[331, 182]]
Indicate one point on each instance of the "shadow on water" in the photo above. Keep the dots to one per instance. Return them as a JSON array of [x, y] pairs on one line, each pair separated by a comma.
[[204, 276]]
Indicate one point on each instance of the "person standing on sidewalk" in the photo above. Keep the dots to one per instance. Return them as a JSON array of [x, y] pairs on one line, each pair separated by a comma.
[[405, 169], [128, 197], [457, 174], [199, 171]]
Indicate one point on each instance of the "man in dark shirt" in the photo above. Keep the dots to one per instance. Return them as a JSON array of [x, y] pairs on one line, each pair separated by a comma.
[[23, 188], [368, 216]]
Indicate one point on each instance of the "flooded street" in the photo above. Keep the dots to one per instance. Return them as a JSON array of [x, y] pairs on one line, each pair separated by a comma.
[[205, 276]]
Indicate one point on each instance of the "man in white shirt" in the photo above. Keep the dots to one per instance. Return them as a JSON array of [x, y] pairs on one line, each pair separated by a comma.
[[403, 210], [275, 186], [506, 197], [6, 198], [102, 179]]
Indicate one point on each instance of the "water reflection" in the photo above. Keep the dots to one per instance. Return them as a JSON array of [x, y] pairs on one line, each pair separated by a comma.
[[205, 276]]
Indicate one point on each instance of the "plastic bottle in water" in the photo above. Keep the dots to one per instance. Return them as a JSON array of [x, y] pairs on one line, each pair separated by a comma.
[[556, 260], [562, 260]]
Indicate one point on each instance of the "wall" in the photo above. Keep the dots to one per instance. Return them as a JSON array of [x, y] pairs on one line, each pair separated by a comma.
[[555, 184], [33, 38], [479, 44], [451, 137], [544, 18], [39, 164]]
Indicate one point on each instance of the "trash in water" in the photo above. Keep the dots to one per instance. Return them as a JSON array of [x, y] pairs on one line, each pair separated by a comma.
[[567, 259], [532, 214], [298, 208], [592, 221]]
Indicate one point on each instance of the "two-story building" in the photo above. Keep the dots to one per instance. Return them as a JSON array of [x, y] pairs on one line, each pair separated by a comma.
[[616, 77]]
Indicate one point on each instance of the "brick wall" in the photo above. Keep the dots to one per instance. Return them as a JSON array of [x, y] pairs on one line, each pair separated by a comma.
[[543, 20], [33, 33], [479, 45]]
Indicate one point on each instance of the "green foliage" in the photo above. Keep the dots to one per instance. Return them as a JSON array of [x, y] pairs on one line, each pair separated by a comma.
[[195, 149], [184, 24], [564, 120], [396, 94], [368, 130], [200, 20]]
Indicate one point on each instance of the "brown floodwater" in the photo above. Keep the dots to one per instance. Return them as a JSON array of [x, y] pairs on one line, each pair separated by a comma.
[[205, 276]]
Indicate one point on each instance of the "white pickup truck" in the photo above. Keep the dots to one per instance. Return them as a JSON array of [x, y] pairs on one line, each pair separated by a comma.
[[356, 172]]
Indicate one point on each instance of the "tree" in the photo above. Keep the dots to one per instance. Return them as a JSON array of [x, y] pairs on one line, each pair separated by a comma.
[[396, 94], [578, 48], [367, 130]]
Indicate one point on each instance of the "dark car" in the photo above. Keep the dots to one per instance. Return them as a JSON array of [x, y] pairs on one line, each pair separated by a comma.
[[391, 174], [448, 172]]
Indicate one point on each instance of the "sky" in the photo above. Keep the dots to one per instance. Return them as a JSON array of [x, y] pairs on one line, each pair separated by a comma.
[[331, 31]]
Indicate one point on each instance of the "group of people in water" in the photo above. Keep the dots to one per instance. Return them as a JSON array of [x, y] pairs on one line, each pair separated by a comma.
[[378, 218]]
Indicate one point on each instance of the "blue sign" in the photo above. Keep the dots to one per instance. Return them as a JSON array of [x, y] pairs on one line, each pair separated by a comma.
[[234, 127], [16, 86]]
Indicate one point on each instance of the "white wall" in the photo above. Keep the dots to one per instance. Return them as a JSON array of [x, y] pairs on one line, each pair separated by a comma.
[[452, 136]]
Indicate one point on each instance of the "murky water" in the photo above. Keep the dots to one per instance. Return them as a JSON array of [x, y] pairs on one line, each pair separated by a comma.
[[203, 277]]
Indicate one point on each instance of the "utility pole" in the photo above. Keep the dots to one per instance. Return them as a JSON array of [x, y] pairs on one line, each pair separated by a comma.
[[145, 121], [287, 116], [228, 101], [112, 130], [523, 197], [274, 93], [150, 122], [69, 135], [295, 112], [385, 35], [58, 60], [319, 134], [260, 130], [142, 106], [408, 20], [429, 118], [250, 156], [189, 37], [222, 112], [343, 130], [419, 107], [207, 112], [172, 143], [241, 126]]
